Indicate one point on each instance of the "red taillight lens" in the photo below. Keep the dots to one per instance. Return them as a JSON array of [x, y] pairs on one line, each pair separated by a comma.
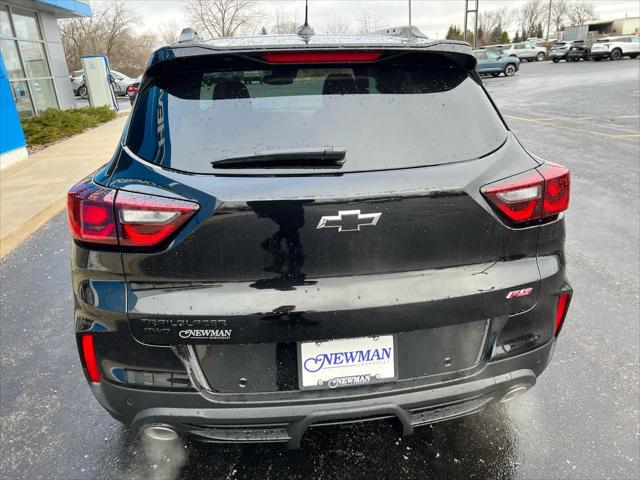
[[131, 90], [146, 220], [106, 216], [90, 213], [321, 57], [556, 189], [561, 311], [535, 195], [89, 357]]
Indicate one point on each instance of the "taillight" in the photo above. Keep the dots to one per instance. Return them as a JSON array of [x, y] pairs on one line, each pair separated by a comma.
[[145, 220], [131, 90], [91, 214], [114, 217], [536, 195], [321, 56], [561, 311], [89, 358]]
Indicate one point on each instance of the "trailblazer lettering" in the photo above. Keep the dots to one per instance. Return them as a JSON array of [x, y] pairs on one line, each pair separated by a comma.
[[218, 334], [317, 363]]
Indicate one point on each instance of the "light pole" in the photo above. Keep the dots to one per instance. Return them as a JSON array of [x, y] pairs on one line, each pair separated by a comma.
[[549, 20], [475, 25], [409, 12]]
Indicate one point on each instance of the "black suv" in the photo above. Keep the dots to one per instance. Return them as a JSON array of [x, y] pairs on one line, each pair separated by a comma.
[[355, 235], [570, 51]]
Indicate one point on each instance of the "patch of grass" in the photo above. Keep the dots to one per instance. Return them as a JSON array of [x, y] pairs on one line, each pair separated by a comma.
[[53, 125]]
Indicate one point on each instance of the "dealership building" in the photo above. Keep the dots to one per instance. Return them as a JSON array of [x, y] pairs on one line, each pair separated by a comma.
[[33, 70]]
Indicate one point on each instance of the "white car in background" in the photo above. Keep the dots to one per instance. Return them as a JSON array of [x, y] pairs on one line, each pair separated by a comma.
[[525, 51], [120, 83], [615, 48]]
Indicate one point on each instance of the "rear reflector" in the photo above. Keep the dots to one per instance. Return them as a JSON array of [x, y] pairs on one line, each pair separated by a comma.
[[321, 57], [536, 195], [106, 216], [561, 311], [89, 357]]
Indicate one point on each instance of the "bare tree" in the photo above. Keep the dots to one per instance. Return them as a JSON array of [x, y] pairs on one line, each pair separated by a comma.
[[108, 32], [559, 10], [532, 13], [283, 23], [491, 20], [131, 55], [580, 13], [370, 21], [223, 18], [338, 26], [169, 32]]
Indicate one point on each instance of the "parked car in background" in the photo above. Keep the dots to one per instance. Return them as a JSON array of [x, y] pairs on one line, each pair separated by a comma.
[[559, 51], [578, 50], [525, 51], [132, 90], [615, 48], [496, 48], [252, 262], [77, 82], [489, 62], [119, 81]]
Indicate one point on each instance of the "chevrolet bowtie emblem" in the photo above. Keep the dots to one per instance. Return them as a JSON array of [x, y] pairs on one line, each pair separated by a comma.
[[349, 220]]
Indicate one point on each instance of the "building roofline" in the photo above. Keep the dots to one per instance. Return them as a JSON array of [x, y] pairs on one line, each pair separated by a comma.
[[60, 8]]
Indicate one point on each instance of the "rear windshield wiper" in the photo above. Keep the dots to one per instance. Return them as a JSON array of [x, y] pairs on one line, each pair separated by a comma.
[[323, 157]]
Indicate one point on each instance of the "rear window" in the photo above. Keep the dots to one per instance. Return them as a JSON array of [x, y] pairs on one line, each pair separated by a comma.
[[382, 116]]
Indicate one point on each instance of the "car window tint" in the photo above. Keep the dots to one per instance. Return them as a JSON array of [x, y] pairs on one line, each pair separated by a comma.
[[384, 116]]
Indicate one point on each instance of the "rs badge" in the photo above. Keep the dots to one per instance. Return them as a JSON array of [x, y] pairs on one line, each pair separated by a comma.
[[520, 293]]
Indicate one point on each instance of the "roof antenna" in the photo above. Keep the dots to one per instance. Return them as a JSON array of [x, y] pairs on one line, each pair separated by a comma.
[[306, 30]]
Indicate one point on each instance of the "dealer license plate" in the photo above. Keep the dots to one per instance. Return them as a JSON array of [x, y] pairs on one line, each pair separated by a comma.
[[347, 362]]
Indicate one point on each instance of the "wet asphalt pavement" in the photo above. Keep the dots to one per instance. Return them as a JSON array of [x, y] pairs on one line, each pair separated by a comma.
[[580, 421]]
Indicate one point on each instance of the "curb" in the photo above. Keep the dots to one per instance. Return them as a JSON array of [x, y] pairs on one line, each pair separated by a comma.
[[9, 242]]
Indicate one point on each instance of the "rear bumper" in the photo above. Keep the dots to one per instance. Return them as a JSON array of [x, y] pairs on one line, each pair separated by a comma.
[[192, 415]]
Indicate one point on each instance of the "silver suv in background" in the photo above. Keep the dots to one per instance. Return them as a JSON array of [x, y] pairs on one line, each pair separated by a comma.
[[525, 51], [615, 48]]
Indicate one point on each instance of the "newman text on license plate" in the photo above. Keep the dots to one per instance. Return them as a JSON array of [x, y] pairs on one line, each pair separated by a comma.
[[347, 362]]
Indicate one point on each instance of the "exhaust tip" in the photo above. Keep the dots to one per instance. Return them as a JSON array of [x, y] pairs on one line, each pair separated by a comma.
[[161, 433], [514, 392]]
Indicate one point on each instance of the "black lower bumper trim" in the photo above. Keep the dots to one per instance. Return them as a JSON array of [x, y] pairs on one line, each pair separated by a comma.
[[287, 422]]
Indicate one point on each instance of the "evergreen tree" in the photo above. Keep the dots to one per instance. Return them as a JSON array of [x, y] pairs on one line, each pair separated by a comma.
[[496, 35], [263, 31], [504, 38], [454, 33], [516, 39]]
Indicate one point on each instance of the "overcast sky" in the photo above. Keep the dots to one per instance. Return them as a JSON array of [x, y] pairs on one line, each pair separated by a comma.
[[433, 17]]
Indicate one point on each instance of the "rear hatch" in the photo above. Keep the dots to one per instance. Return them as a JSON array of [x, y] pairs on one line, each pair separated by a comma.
[[338, 199]]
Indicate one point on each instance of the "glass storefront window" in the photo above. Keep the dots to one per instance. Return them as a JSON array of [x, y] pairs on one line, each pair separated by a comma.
[[22, 99], [25, 56], [44, 96], [5, 25], [11, 59], [26, 25], [35, 59]]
